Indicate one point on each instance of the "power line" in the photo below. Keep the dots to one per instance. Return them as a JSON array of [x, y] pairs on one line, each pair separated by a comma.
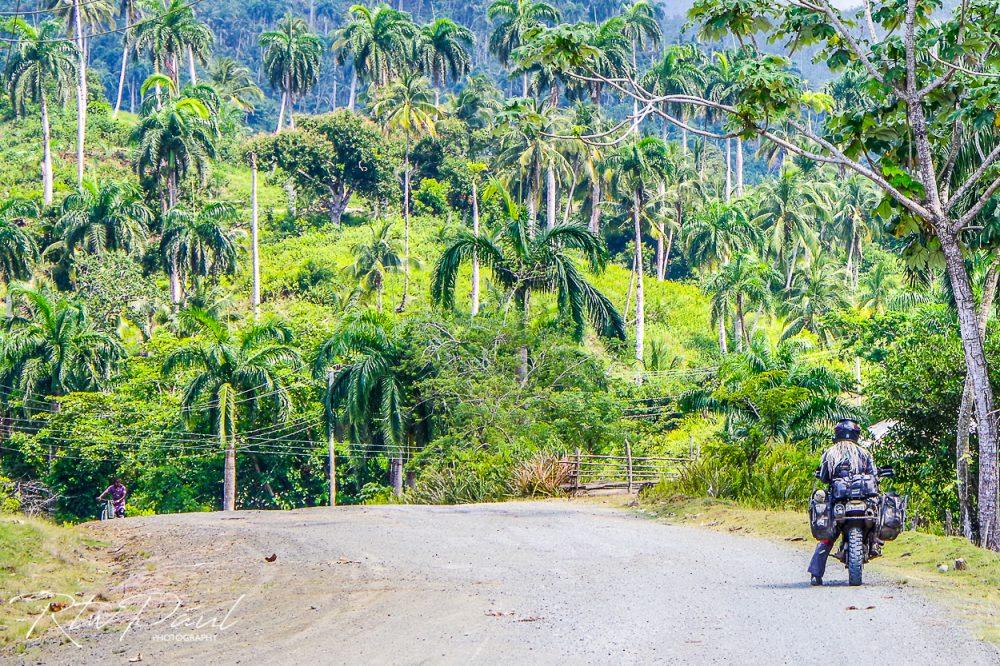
[[50, 10]]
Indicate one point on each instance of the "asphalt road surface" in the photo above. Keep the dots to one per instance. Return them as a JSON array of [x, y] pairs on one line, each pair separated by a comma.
[[539, 582]]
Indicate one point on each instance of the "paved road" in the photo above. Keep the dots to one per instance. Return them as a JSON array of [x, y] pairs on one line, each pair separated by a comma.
[[552, 582]]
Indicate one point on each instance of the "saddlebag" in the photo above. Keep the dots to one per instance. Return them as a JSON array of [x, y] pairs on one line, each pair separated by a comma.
[[891, 516], [840, 489], [863, 486], [821, 516]]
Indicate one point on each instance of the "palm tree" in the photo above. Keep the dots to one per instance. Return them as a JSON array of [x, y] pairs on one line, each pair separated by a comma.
[[524, 265], [172, 33], [477, 101], [235, 84], [369, 385], [716, 232], [512, 19], [237, 379], [634, 167], [374, 259], [680, 71], [292, 58], [742, 284], [814, 294], [376, 42], [76, 15], [723, 86], [104, 217], [175, 138], [18, 249], [40, 64], [130, 12], [197, 244], [51, 347], [771, 395], [641, 27], [406, 105], [789, 205], [443, 51], [856, 202], [528, 147]]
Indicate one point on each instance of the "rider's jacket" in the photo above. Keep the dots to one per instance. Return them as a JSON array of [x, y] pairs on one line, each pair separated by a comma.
[[845, 459]]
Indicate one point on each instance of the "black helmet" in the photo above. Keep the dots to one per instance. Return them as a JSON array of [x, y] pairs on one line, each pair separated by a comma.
[[846, 429]]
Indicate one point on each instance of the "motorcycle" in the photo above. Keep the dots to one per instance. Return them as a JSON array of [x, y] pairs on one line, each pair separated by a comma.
[[860, 515]]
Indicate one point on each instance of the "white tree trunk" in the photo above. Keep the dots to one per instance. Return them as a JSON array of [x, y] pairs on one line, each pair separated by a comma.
[[46, 153], [81, 94], [352, 95], [191, 70], [475, 256], [729, 170], [281, 114], [739, 167], [124, 68], [406, 230], [550, 197], [640, 297], [254, 238], [595, 204]]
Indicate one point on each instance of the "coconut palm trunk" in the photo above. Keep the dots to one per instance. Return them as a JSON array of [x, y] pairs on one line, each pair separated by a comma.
[[254, 238], [729, 170], [46, 152], [81, 94], [281, 113], [739, 167], [352, 95], [550, 196], [406, 226], [661, 188], [640, 296], [475, 256], [595, 204], [124, 67], [191, 70]]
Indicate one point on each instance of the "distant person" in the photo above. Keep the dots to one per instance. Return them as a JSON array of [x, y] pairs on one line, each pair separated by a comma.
[[842, 460], [118, 493]]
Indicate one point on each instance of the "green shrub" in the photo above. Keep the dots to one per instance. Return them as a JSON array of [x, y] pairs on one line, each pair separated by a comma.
[[8, 503]]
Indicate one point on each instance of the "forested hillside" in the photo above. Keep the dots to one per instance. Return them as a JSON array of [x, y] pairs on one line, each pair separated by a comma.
[[460, 242]]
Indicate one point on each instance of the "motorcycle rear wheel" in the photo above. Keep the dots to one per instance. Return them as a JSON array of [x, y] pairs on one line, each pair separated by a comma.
[[855, 555]]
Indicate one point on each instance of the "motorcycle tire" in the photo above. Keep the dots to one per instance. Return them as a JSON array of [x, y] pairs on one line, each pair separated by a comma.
[[855, 555]]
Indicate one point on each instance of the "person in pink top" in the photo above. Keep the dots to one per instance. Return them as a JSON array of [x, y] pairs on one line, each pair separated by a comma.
[[118, 492]]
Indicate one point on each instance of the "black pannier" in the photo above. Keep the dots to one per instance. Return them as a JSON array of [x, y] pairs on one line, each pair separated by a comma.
[[862, 486], [891, 516], [840, 489], [821, 516]]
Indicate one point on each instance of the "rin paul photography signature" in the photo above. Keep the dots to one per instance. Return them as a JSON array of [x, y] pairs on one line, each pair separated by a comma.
[[174, 618]]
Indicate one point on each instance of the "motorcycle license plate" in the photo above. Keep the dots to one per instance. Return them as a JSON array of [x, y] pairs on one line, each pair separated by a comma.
[[856, 506]]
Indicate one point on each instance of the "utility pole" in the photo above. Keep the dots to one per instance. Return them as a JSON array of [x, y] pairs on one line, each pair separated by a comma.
[[331, 440]]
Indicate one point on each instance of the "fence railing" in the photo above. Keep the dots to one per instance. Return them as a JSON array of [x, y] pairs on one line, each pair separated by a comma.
[[589, 472]]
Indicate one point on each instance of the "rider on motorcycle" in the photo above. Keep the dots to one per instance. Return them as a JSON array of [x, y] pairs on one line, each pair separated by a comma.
[[842, 460]]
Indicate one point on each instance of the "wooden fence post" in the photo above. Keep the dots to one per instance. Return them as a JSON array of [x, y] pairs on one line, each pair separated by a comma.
[[576, 473], [628, 463]]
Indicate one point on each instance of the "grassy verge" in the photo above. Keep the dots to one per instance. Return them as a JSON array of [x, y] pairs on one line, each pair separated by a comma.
[[913, 558], [40, 564]]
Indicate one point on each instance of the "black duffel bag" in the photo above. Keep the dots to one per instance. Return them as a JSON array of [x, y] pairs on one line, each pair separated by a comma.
[[891, 516], [863, 486], [821, 520]]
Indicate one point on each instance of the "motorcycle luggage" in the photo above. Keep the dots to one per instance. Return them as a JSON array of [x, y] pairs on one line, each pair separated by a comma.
[[821, 520], [862, 486], [891, 516], [840, 489]]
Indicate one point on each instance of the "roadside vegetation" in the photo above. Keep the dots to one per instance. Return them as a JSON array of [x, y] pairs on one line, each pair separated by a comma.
[[459, 243]]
